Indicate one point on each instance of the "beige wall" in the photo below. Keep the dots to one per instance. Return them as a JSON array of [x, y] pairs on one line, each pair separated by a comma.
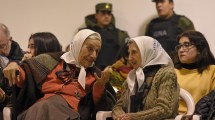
[[64, 17]]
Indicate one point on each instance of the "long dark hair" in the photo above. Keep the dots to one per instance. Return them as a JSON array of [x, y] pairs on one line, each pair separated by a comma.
[[45, 42], [205, 56]]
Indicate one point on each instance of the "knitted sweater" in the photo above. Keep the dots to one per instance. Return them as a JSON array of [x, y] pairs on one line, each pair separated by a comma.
[[161, 101]]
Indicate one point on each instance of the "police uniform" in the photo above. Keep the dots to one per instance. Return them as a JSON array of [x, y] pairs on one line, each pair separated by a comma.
[[112, 38], [167, 30]]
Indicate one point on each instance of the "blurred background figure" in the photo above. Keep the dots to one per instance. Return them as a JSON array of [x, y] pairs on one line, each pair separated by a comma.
[[9, 51], [168, 26], [8, 47], [119, 70]]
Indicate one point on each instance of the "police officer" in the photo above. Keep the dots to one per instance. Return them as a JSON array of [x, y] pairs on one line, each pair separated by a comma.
[[113, 38], [168, 25]]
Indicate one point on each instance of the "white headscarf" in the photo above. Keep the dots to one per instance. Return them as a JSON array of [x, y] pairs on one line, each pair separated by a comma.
[[71, 57], [151, 54]]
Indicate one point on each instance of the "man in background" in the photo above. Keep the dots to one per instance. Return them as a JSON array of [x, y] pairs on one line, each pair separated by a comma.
[[9, 51], [113, 38], [8, 47], [168, 25]]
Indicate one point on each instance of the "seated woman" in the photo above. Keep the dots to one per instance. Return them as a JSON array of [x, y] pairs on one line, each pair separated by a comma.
[[151, 90], [41, 42], [68, 86], [195, 67]]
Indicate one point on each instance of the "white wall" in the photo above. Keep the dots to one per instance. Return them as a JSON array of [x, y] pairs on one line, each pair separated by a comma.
[[64, 17]]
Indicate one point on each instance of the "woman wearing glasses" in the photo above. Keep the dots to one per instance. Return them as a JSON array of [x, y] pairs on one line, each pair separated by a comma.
[[195, 67]]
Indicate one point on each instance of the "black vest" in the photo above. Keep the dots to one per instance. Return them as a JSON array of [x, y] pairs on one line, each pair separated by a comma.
[[165, 31]]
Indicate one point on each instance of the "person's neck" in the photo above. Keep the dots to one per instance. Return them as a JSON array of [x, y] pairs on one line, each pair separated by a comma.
[[101, 25], [167, 16], [190, 65]]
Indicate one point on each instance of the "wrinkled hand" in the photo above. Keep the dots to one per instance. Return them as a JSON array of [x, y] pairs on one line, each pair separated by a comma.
[[104, 77], [2, 95], [10, 72], [124, 117], [27, 56], [108, 69]]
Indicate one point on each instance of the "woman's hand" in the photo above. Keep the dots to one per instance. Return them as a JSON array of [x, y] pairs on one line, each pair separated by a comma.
[[104, 76], [124, 117], [27, 56], [11, 72]]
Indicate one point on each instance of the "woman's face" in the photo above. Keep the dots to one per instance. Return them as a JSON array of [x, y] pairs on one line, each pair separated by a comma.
[[187, 52], [89, 52], [134, 55], [31, 47]]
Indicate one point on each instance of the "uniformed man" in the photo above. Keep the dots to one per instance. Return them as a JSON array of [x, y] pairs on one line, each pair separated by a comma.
[[113, 38], [168, 25]]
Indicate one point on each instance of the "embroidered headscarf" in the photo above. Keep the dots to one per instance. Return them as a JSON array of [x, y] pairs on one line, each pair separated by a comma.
[[71, 57], [152, 53]]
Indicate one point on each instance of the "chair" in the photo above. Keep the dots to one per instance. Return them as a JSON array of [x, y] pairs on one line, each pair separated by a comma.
[[7, 113], [190, 105], [102, 115]]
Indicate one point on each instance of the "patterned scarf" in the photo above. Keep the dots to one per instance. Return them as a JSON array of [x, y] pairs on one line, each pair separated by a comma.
[[68, 74]]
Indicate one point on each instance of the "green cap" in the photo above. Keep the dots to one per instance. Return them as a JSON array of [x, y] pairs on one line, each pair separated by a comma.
[[104, 7], [161, 0]]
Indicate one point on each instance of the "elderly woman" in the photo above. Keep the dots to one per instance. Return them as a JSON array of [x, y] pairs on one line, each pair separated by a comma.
[[68, 86], [151, 90]]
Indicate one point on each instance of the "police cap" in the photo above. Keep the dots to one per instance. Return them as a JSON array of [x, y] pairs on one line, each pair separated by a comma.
[[161, 0], [104, 7]]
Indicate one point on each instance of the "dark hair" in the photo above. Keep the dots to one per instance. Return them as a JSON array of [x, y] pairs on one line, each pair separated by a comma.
[[205, 56], [45, 42], [123, 53]]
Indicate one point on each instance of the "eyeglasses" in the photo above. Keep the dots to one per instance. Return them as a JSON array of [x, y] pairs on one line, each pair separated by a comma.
[[185, 46]]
